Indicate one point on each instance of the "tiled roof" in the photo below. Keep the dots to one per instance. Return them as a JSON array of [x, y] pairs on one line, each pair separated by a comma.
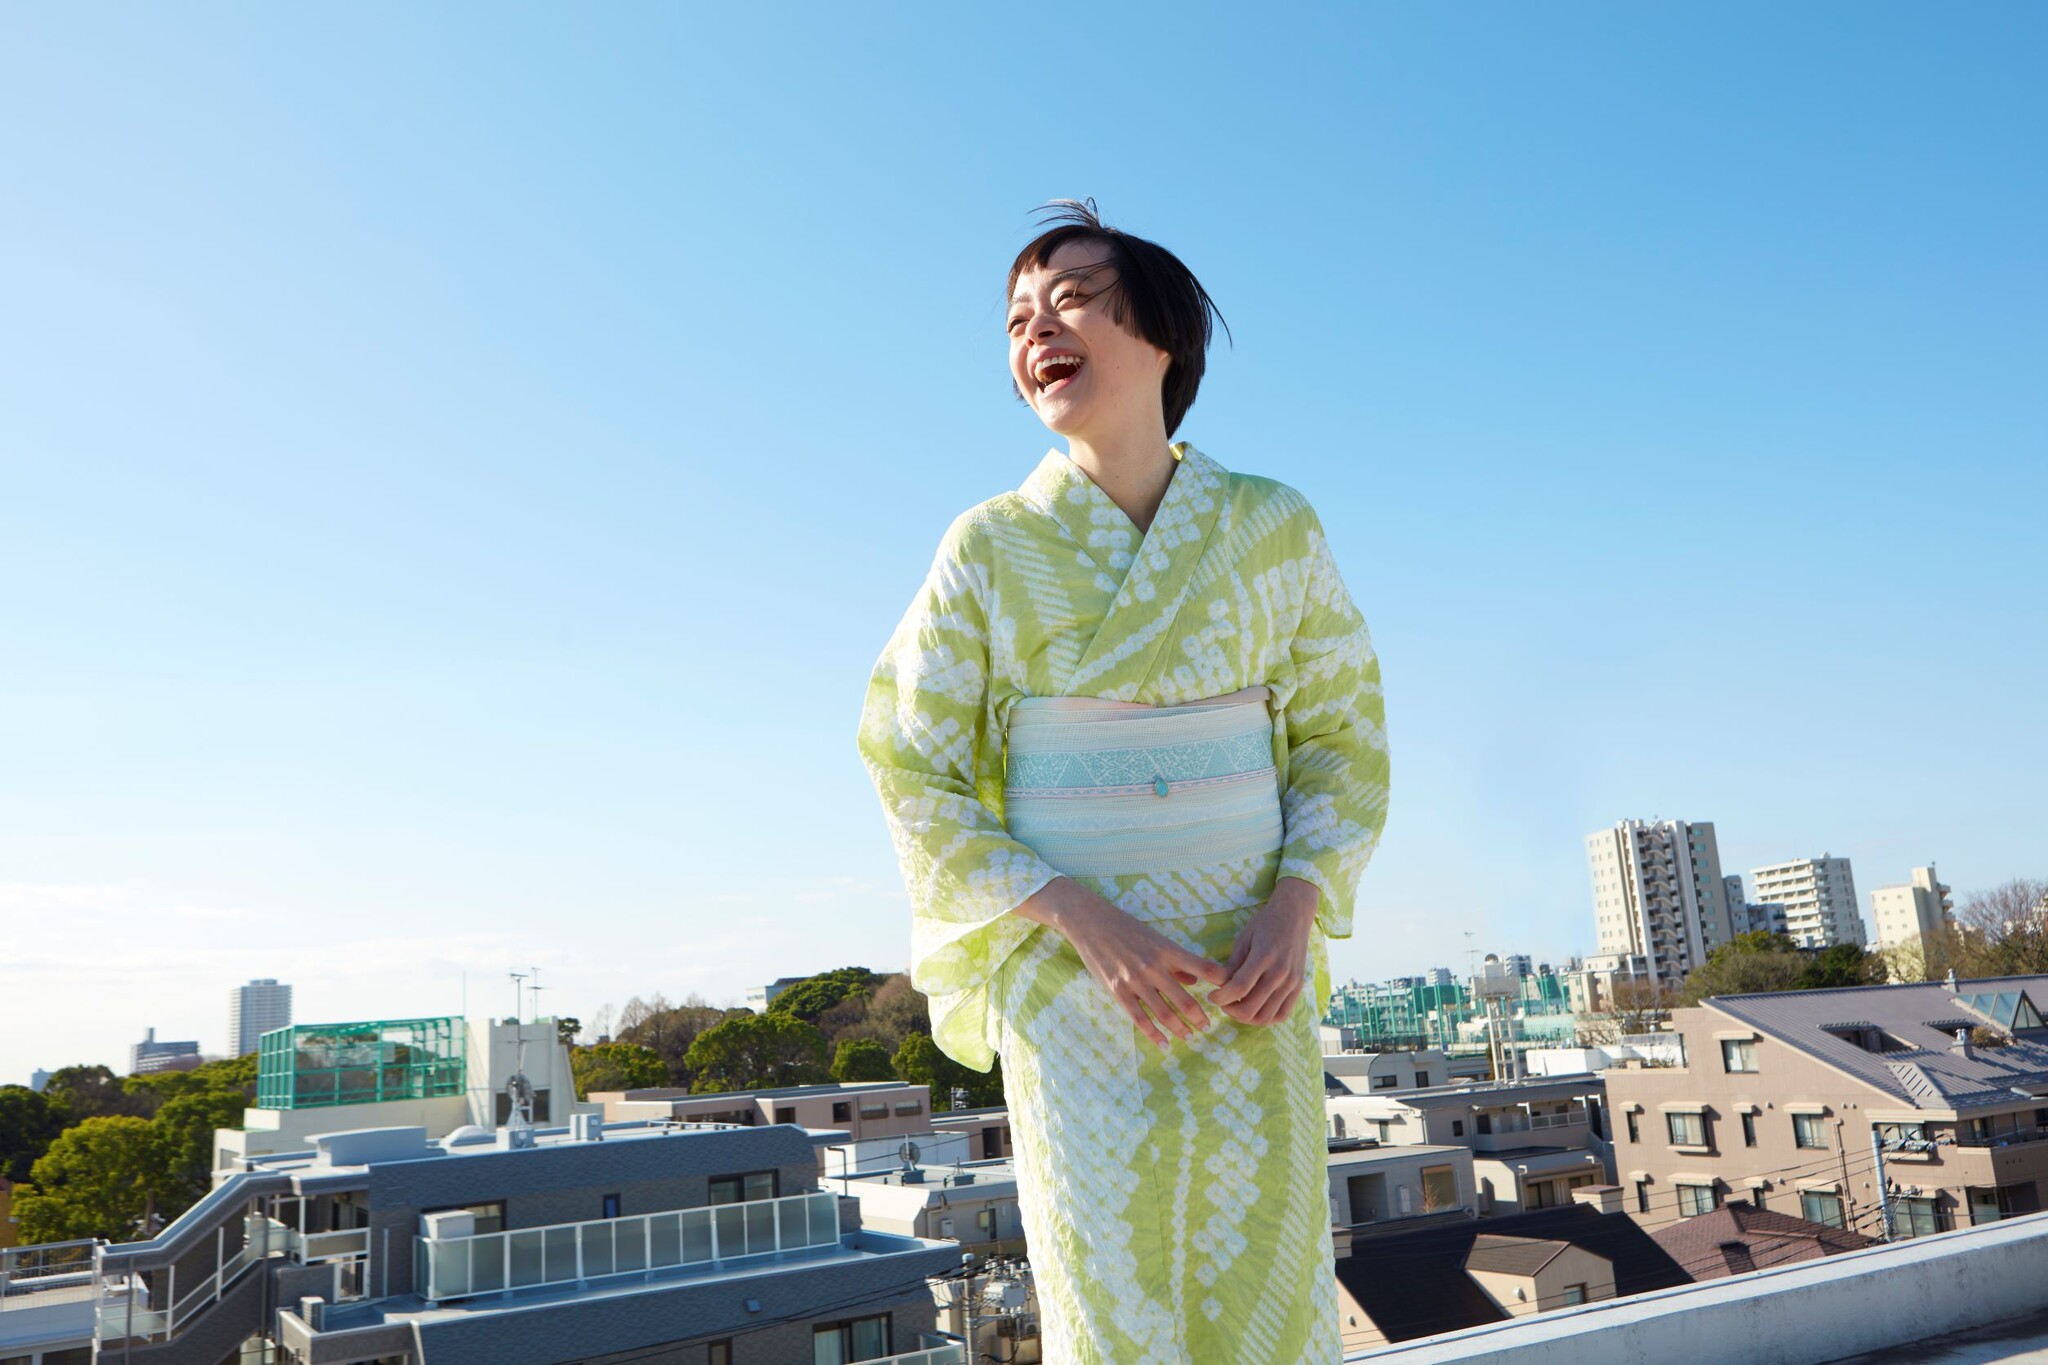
[[1513, 1255], [1740, 1237], [1927, 1070]]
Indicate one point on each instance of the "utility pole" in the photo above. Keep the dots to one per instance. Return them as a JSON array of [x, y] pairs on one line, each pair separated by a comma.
[[1884, 1197]]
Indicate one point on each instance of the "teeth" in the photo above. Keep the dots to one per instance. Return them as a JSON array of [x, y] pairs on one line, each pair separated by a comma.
[[1045, 367]]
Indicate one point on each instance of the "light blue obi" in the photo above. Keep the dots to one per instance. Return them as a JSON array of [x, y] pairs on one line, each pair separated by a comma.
[[1103, 788]]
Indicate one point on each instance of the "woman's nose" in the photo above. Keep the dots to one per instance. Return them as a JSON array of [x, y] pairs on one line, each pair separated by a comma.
[[1045, 325]]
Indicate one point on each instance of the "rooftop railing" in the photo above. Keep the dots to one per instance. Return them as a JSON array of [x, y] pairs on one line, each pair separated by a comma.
[[527, 1258]]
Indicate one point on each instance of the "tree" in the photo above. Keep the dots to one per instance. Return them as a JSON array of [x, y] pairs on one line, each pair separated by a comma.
[[184, 1131], [920, 1062], [670, 1030], [1635, 1004], [101, 1178], [616, 1066], [1746, 965], [811, 997], [92, 1091], [862, 1059], [1843, 964], [29, 1123], [2002, 931], [566, 1028], [753, 1051], [898, 1010]]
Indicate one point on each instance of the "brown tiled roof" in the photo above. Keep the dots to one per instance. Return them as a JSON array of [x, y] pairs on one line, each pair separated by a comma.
[[1513, 1255], [1738, 1237]]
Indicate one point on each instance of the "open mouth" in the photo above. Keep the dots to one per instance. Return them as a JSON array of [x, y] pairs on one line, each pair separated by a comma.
[[1055, 370]]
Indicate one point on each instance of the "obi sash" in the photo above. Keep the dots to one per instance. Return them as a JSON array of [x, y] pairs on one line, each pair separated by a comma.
[[1105, 788]]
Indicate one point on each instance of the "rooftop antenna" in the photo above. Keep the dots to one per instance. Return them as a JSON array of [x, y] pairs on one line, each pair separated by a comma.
[[518, 994], [536, 989]]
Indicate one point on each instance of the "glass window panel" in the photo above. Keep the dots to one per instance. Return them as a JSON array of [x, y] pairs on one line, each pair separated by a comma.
[[630, 1249], [666, 1239], [597, 1248], [824, 1219], [561, 1254], [760, 1227], [528, 1262], [827, 1347], [696, 1236], [487, 1263], [870, 1337], [449, 1274], [760, 1185]]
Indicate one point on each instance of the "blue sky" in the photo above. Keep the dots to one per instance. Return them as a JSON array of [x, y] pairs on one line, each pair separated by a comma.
[[460, 463]]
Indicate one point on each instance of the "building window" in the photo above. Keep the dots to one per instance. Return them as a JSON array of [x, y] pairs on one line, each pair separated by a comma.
[[1809, 1130], [1457, 1127], [1694, 1200], [1573, 1293], [785, 1113], [1540, 1194], [904, 1107], [1748, 1128], [1421, 1078], [1816, 1206], [877, 1109], [1903, 1136], [842, 1111], [1635, 1128], [721, 1353], [1738, 1054], [738, 1189], [611, 1206], [1385, 1082], [1439, 1189], [841, 1343], [1914, 1218], [1687, 1130]]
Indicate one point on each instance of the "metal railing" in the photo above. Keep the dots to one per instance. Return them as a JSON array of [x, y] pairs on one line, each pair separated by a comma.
[[28, 1271], [937, 1355], [524, 1258], [127, 1317], [2011, 1137]]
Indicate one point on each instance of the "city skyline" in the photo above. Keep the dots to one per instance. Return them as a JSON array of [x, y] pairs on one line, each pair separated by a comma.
[[450, 527]]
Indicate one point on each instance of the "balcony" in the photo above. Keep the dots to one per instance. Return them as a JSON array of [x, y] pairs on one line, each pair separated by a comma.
[[2015, 1137], [454, 1268], [952, 1354]]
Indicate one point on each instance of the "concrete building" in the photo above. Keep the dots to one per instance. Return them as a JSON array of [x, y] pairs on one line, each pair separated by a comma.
[[1374, 1073], [39, 1080], [440, 1074], [1818, 896], [1916, 910], [759, 998], [1658, 893], [254, 1010], [539, 1247], [1532, 1142], [153, 1055], [1918, 1102], [860, 1109], [970, 1203], [1375, 1190]]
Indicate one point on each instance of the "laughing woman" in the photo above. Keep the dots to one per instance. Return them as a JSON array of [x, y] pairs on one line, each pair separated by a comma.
[[1129, 742]]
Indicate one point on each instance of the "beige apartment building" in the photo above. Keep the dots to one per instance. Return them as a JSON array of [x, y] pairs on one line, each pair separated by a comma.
[[1832, 1104], [1916, 910], [1818, 896], [1658, 893]]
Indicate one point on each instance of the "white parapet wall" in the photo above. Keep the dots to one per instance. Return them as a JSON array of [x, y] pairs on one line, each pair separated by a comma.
[[1817, 1311]]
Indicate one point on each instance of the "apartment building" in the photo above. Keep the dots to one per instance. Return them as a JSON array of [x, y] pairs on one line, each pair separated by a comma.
[[1658, 893], [862, 1109], [254, 1010], [155, 1054], [441, 1074], [699, 1245], [1818, 899], [1921, 1102], [1370, 1073], [1915, 910], [1376, 1190], [1532, 1142]]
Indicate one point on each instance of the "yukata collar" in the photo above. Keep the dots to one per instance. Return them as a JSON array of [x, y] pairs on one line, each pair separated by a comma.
[[1149, 575]]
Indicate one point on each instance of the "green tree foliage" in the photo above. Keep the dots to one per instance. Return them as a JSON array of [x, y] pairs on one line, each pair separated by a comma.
[[862, 1059], [670, 1030], [566, 1028], [753, 1051], [812, 997], [103, 1177], [184, 1130], [1845, 964], [94, 1091], [1756, 963], [29, 1123], [616, 1066], [897, 1011], [920, 1062]]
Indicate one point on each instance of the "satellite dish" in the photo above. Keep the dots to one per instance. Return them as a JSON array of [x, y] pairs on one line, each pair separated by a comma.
[[908, 1151]]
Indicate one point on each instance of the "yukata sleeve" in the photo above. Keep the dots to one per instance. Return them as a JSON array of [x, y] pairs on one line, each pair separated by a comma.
[[1335, 800], [924, 737]]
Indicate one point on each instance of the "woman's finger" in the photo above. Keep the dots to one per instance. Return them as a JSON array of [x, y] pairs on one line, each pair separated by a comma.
[[1185, 1005], [1260, 995], [1134, 1007]]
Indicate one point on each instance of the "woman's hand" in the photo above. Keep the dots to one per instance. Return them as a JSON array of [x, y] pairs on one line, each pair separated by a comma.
[[1146, 972], [1269, 965]]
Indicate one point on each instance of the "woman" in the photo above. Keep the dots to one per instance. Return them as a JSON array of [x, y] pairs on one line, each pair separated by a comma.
[[1129, 742]]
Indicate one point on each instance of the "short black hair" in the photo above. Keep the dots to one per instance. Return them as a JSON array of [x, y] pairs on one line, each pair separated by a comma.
[[1155, 296]]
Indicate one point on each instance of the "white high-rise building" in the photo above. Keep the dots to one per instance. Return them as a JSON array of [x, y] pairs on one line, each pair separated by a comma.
[[254, 1010], [1658, 893], [1819, 896], [1915, 909]]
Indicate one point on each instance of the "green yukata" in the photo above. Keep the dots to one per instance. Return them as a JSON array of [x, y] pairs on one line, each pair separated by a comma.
[[1175, 1200]]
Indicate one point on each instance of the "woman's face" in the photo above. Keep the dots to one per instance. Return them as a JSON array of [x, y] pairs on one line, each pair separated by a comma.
[[1080, 371]]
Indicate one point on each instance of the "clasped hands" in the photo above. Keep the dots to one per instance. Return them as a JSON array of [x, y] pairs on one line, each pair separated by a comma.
[[1148, 974]]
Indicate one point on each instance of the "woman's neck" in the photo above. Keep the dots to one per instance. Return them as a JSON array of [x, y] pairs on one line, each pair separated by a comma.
[[1133, 469]]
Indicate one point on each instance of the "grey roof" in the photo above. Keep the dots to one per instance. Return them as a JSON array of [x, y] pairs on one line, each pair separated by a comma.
[[1512, 1255], [1927, 1071]]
